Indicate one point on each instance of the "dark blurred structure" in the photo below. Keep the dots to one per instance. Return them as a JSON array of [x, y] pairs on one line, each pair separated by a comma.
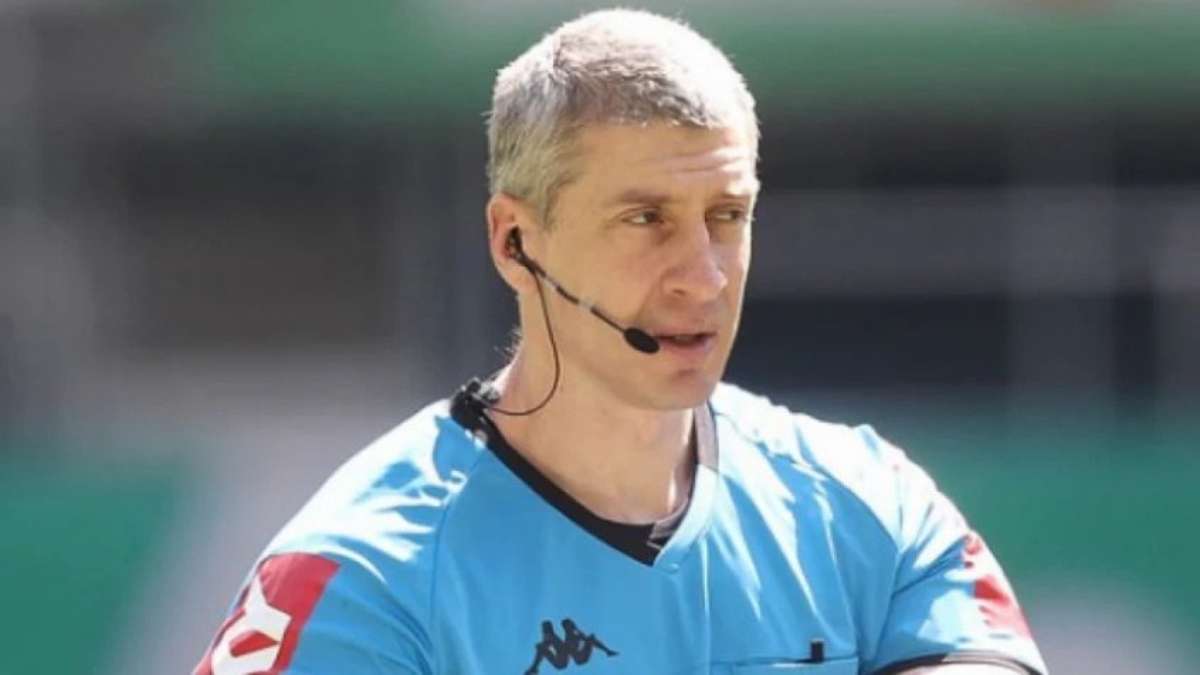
[[939, 213], [221, 210]]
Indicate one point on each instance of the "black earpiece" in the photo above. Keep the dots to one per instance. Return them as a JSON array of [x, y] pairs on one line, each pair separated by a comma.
[[513, 247], [636, 338]]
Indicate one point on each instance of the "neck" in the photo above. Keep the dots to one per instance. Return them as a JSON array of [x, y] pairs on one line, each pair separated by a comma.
[[623, 463]]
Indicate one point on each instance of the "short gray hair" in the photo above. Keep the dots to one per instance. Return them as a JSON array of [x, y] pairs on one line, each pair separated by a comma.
[[613, 66]]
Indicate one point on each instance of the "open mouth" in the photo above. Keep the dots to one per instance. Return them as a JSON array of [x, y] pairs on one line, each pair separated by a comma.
[[686, 339]]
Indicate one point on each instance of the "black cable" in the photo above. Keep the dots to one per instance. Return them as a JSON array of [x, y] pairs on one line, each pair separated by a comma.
[[557, 365]]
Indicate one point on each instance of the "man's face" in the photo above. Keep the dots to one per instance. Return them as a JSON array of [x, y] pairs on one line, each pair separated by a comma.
[[656, 232]]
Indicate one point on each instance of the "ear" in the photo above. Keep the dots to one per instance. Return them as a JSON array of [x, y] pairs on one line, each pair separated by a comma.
[[504, 214]]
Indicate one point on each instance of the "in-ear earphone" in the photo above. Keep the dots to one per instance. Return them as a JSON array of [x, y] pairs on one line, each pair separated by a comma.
[[634, 337]]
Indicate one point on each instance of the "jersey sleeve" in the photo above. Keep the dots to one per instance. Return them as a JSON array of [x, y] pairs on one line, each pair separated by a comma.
[[950, 601], [308, 614], [923, 586]]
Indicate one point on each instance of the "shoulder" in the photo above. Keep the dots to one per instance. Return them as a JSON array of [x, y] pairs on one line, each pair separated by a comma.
[[923, 582], [347, 584], [861, 470], [380, 515]]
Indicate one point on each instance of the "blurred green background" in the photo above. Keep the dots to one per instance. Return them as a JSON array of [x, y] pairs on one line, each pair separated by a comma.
[[238, 241]]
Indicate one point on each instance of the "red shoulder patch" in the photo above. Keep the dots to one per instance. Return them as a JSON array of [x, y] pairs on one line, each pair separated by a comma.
[[262, 633], [992, 590]]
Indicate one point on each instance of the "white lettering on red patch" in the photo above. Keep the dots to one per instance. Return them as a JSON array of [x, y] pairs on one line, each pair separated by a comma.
[[262, 633]]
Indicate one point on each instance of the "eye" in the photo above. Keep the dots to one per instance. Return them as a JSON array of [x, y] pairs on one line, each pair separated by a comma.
[[735, 214], [645, 217]]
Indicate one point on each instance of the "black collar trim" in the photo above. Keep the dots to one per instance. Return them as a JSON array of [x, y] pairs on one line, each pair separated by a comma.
[[468, 409]]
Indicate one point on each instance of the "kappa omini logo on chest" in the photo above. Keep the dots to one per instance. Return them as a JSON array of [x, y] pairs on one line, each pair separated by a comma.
[[575, 646]]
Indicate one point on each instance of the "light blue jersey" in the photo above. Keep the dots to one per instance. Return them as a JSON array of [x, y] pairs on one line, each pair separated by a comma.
[[806, 547]]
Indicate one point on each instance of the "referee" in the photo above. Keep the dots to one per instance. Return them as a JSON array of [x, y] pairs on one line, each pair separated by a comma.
[[604, 504]]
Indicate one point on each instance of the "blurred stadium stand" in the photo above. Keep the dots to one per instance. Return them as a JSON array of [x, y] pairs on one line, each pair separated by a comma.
[[239, 240]]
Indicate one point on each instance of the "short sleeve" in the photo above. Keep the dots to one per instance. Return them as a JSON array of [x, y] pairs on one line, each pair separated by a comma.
[[950, 601], [305, 614]]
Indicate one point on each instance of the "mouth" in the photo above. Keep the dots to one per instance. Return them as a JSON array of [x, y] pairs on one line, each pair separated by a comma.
[[686, 339], [692, 346]]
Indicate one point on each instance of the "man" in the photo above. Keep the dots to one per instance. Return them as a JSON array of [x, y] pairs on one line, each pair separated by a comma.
[[604, 504]]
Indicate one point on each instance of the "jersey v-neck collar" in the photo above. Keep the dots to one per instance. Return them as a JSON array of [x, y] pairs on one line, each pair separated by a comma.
[[468, 409]]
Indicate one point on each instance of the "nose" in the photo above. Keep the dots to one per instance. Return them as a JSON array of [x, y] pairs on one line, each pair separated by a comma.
[[699, 273]]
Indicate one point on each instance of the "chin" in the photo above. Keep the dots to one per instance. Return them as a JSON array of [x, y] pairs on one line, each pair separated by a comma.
[[683, 392]]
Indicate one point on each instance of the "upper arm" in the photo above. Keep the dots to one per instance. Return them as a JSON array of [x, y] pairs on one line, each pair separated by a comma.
[[305, 613], [951, 609]]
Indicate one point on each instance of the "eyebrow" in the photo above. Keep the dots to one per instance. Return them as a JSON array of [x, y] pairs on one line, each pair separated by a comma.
[[640, 196]]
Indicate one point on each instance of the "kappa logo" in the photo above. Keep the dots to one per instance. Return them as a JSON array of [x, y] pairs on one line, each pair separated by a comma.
[[262, 633], [575, 646]]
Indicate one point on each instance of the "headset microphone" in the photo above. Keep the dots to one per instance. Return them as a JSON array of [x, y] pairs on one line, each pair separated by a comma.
[[634, 337]]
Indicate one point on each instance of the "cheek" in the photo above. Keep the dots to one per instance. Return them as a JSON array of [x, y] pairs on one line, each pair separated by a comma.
[[736, 263], [745, 245]]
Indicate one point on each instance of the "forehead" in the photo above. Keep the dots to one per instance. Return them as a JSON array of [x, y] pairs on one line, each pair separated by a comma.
[[674, 160]]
